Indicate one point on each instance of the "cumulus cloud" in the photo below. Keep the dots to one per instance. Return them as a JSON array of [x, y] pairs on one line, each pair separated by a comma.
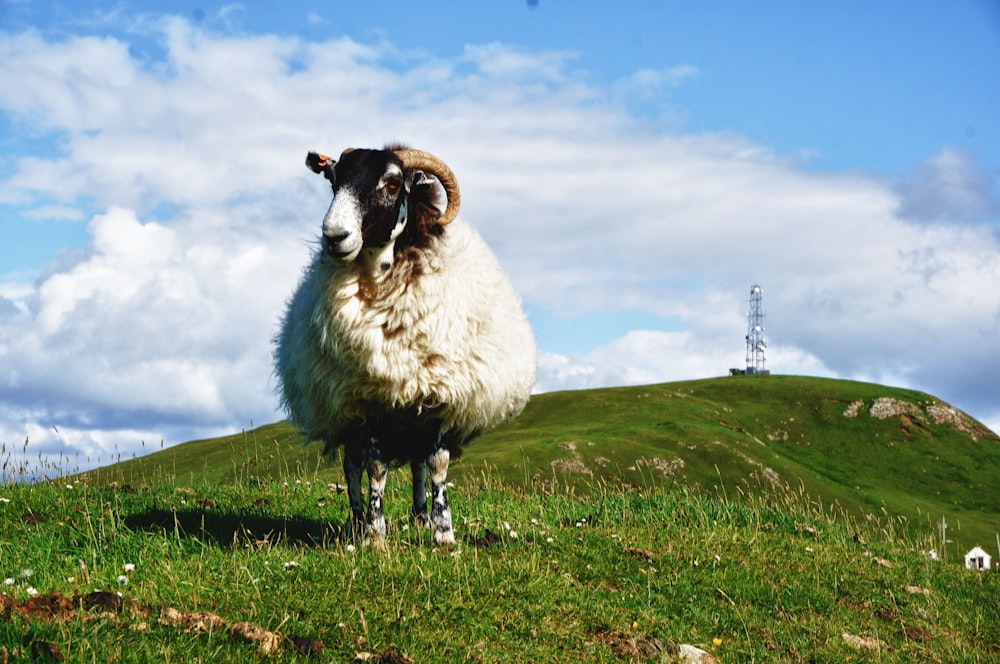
[[160, 328], [950, 187]]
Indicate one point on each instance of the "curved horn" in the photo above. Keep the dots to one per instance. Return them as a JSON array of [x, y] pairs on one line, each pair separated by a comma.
[[427, 162]]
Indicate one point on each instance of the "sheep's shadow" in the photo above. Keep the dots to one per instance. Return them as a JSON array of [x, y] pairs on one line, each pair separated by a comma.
[[229, 529]]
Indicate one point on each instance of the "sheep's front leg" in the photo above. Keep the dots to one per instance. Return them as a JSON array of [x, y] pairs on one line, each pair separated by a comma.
[[418, 468], [377, 472], [440, 514], [353, 467]]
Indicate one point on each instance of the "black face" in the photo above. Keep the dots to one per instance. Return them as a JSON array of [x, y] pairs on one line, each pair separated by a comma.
[[377, 203], [374, 178]]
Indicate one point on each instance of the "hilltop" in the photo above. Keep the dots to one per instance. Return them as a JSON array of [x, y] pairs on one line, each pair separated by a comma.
[[868, 448]]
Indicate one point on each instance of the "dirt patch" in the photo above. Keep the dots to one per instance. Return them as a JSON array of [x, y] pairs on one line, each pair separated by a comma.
[[125, 613]]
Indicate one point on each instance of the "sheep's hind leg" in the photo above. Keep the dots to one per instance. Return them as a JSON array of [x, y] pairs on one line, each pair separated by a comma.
[[440, 514], [418, 468], [353, 468], [377, 472]]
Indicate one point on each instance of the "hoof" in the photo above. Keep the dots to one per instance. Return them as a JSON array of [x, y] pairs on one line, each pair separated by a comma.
[[444, 537]]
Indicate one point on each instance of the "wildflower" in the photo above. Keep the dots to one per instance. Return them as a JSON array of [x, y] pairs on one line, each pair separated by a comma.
[[9, 581], [30, 591], [26, 573], [716, 642], [70, 579], [129, 567], [69, 486], [549, 540], [512, 534], [717, 558], [506, 526], [534, 522], [350, 548], [122, 580], [290, 565], [4, 500]]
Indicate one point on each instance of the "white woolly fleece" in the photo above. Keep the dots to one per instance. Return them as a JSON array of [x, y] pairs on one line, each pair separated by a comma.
[[442, 329]]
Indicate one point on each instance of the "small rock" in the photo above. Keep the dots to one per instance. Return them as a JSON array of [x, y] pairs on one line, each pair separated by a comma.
[[688, 654]]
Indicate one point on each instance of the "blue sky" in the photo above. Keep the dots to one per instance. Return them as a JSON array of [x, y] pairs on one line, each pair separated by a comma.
[[636, 166]]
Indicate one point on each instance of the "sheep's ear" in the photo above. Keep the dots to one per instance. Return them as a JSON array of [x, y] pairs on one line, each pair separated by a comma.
[[320, 163], [426, 189]]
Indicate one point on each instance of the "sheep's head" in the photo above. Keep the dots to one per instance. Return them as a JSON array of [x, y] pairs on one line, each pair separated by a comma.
[[384, 200]]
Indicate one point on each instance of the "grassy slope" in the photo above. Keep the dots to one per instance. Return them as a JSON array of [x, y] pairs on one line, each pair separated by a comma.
[[543, 574], [738, 433]]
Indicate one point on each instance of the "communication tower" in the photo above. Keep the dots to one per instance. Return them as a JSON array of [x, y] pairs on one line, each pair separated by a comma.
[[756, 344]]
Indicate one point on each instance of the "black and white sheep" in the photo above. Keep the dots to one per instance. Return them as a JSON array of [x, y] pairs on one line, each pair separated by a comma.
[[404, 340]]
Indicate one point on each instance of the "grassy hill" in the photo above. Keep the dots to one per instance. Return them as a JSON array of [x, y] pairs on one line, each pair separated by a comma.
[[757, 518], [867, 448]]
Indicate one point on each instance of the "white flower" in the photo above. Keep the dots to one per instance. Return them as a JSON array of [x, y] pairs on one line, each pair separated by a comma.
[[4, 500], [70, 579], [549, 540], [506, 526], [534, 522], [350, 547], [290, 565], [9, 581], [122, 580], [69, 486], [26, 573], [30, 591], [513, 534], [129, 567]]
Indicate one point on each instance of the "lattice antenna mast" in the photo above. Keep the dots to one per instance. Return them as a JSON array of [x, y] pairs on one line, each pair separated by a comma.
[[756, 345]]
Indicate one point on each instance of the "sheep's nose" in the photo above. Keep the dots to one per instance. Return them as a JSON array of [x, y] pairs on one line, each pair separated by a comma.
[[335, 239], [333, 245]]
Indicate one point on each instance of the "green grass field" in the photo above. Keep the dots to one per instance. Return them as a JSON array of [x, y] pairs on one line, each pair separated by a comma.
[[748, 516], [742, 433]]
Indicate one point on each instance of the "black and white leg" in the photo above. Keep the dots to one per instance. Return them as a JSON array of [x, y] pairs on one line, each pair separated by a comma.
[[440, 514], [378, 470]]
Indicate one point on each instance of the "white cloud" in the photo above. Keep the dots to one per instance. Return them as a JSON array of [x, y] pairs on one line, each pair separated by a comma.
[[161, 328], [651, 83], [950, 187]]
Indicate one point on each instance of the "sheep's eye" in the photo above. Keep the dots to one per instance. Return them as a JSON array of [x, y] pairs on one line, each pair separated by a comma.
[[392, 185]]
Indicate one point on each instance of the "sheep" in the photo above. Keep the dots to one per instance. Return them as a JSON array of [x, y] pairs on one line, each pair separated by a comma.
[[404, 339]]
